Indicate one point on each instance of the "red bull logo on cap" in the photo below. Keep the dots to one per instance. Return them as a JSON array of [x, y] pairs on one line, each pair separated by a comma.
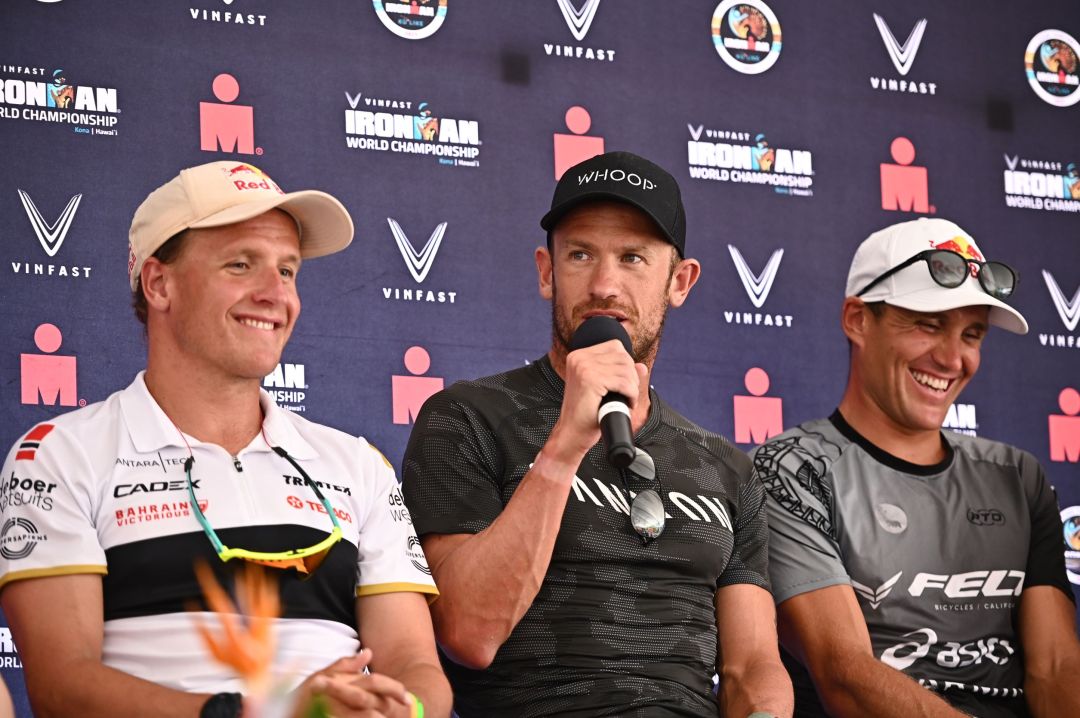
[[264, 181], [962, 246]]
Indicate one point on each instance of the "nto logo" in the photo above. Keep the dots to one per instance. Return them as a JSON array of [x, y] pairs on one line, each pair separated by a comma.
[[904, 186], [418, 263], [1051, 65], [51, 236], [746, 35], [874, 596], [19, 537], [71, 104], [49, 378], [961, 419], [1033, 187], [227, 127], [579, 21], [951, 655], [287, 386], [413, 20], [985, 517], [1067, 309], [757, 288], [453, 142], [1070, 523], [787, 171], [902, 56]]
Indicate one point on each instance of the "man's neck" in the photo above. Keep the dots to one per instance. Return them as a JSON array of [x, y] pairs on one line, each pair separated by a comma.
[[639, 413], [922, 447], [222, 412]]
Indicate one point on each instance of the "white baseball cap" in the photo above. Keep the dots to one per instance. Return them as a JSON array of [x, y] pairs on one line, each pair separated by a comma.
[[913, 287], [221, 193]]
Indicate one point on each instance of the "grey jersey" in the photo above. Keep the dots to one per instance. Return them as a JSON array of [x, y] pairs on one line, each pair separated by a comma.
[[937, 555]]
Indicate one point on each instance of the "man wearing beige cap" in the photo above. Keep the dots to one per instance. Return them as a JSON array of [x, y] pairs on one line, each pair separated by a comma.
[[193, 463], [917, 572]]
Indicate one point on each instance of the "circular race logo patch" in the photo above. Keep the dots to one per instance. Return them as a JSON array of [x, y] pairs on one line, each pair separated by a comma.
[[1070, 524], [18, 538], [413, 20], [1052, 67], [891, 518], [746, 35]]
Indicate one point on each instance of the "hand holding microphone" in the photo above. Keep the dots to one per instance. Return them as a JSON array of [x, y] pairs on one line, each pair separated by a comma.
[[614, 412]]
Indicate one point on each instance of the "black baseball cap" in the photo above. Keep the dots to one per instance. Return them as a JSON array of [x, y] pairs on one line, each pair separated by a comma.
[[625, 177]]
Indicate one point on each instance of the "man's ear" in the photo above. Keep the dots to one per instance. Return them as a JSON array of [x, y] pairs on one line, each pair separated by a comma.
[[855, 318], [154, 278], [545, 272], [685, 276]]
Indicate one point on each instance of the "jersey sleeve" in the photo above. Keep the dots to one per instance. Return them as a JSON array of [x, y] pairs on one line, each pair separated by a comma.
[[46, 512], [749, 562], [1046, 559], [449, 473], [390, 559], [803, 551]]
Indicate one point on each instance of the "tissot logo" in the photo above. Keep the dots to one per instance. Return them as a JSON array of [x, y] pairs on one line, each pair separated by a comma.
[[757, 288], [1067, 309], [418, 263], [874, 596], [50, 236], [579, 20]]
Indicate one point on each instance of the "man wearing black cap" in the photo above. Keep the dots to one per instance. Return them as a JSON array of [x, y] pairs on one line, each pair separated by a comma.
[[557, 597]]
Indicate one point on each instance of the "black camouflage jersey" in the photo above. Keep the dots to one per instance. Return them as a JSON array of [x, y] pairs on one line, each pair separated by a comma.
[[618, 628], [937, 555]]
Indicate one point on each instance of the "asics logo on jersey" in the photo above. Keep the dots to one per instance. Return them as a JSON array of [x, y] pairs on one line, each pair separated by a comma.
[[757, 287], [951, 654], [1068, 310], [579, 21], [51, 236], [971, 584], [875, 596], [902, 56], [419, 263]]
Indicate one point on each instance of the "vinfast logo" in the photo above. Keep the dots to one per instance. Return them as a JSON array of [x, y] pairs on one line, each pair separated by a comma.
[[728, 156], [1067, 309], [287, 386], [902, 55], [579, 21], [227, 17], [757, 288], [89, 109], [418, 263], [874, 596], [51, 235], [455, 143], [1042, 185]]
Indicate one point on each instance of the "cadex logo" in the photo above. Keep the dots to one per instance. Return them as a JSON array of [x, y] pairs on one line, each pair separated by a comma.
[[903, 57], [418, 263], [579, 20]]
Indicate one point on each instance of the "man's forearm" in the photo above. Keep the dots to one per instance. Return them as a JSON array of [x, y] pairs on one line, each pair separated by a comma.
[[430, 686], [761, 686], [488, 582], [92, 690], [862, 685], [1052, 695]]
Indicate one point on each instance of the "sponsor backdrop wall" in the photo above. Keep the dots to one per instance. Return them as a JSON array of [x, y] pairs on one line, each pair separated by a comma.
[[795, 130]]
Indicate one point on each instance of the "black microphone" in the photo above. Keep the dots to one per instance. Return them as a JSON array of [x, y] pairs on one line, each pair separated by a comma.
[[614, 415]]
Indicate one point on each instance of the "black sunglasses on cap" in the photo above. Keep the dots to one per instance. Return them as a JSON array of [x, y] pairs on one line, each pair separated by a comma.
[[950, 269]]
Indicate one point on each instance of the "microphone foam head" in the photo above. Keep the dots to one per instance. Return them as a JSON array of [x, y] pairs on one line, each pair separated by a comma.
[[600, 329]]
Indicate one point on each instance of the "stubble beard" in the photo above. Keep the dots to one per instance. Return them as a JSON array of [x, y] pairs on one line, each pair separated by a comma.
[[645, 346]]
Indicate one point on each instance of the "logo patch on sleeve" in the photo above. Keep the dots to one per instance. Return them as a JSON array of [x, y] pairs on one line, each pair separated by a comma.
[[28, 447]]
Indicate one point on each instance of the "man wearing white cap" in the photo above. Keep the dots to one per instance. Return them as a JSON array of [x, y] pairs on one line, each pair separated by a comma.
[[108, 507], [903, 558]]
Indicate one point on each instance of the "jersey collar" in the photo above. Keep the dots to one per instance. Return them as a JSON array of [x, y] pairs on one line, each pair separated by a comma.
[[151, 429]]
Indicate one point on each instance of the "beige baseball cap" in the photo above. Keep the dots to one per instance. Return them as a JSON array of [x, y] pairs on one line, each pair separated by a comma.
[[221, 193], [913, 287]]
